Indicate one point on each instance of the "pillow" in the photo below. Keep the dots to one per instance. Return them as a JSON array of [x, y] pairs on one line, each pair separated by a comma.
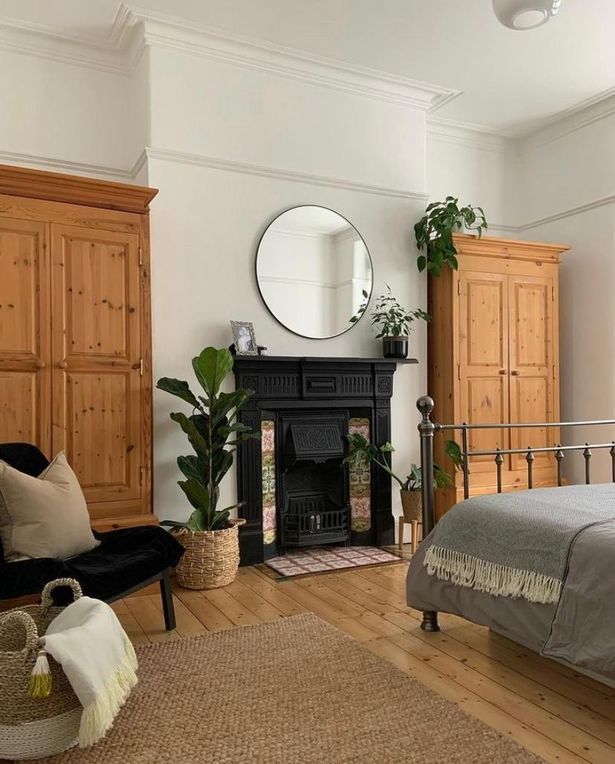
[[44, 516]]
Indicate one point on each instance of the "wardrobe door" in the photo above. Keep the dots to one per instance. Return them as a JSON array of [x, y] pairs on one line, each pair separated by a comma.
[[97, 364], [25, 354], [483, 360], [532, 363]]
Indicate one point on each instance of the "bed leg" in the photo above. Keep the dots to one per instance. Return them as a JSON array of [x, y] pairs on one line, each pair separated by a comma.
[[430, 620]]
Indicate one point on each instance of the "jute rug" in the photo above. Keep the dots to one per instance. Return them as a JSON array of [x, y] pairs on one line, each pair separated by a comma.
[[293, 691], [322, 559]]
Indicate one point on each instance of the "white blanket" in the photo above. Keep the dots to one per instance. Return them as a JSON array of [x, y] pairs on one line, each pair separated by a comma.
[[98, 659]]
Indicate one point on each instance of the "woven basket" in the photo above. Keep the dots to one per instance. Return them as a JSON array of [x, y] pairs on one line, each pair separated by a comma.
[[211, 558], [412, 506], [34, 727]]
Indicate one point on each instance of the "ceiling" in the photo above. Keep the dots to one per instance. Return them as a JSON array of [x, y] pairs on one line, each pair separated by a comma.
[[509, 81]]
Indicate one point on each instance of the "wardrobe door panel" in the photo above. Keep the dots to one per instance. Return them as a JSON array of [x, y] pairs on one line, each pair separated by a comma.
[[25, 391], [102, 434], [97, 363], [483, 359], [531, 363]]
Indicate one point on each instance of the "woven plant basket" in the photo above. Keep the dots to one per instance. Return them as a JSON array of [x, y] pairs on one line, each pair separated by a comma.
[[412, 506], [34, 727], [211, 558]]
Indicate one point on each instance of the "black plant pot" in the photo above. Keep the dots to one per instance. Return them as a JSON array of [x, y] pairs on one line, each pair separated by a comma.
[[395, 347]]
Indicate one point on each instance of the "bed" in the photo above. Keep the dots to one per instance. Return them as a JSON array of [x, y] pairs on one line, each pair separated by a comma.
[[536, 566]]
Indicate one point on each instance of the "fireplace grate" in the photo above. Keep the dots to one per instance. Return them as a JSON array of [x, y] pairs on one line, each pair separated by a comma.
[[312, 518]]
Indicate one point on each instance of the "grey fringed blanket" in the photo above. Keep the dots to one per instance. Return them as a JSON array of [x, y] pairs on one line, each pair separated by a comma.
[[516, 544]]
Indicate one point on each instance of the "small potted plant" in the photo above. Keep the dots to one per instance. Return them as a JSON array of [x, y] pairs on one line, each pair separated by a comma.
[[394, 323], [209, 535], [434, 233], [360, 450], [411, 491]]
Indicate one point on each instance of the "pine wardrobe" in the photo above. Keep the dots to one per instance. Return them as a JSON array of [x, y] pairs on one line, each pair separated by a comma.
[[494, 356], [75, 340]]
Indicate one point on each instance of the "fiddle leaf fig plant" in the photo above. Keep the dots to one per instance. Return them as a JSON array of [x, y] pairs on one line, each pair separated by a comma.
[[393, 320], [213, 431], [434, 233]]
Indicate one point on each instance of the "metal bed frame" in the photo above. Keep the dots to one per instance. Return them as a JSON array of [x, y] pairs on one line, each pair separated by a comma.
[[427, 428]]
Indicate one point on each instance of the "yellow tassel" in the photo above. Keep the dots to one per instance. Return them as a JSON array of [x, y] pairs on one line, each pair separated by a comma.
[[39, 685]]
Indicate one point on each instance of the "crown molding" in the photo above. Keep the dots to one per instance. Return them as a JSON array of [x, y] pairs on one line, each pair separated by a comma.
[[290, 281], [27, 39], [162, 30], [110, 54], [532, 137], [342, 234], [135, 28], [470, 136], [295, 176], [289, 233], [594, 110]]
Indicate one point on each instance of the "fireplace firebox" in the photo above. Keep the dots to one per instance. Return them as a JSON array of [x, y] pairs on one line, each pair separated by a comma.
[[314, 503], [310, 518], [293, 485]]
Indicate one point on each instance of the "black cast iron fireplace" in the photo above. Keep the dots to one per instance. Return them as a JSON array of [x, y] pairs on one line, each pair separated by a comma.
[[294, 488]]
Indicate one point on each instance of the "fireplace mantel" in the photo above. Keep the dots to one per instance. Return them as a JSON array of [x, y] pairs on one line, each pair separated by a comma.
[[287, 385]]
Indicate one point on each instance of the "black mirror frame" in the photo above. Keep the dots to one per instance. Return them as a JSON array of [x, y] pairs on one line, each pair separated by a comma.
[[260, 291]]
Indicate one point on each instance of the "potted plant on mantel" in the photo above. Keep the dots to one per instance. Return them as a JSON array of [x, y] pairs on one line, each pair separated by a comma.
[[209, 535], [394, 324], [434, 233], [361, 451]]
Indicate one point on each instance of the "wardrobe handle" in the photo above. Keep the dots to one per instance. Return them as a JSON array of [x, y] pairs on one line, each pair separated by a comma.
[[62, 365], [515, 373], [502, 371], [39, 364]]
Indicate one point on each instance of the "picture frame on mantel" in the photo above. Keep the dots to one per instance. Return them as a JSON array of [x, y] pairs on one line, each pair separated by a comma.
[[244, 338]]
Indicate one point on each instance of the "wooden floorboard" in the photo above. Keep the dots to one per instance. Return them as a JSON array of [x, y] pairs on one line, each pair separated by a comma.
[[555, 712]]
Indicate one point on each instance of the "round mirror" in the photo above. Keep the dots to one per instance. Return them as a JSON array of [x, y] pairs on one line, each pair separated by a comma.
[[314, 272]]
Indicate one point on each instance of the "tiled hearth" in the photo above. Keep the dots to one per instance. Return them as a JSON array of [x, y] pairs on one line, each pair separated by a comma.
[[322, 559]]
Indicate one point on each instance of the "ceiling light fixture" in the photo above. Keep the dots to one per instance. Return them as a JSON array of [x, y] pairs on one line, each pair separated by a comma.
[[525, 14]]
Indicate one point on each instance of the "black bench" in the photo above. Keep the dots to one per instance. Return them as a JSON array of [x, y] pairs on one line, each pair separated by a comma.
[[125, 561]]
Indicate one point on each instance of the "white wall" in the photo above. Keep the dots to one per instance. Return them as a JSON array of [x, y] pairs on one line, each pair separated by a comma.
[[230, 144], [244, 146], [207, 223], [555, 186], [251, 116], [479, 168], [62, 114], [569, 164], [568, 174]]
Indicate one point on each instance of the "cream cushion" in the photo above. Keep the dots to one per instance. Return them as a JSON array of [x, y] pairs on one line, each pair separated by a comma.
[[44, 516]]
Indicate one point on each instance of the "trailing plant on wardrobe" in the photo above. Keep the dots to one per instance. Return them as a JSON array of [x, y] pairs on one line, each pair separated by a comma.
[[434, 233]]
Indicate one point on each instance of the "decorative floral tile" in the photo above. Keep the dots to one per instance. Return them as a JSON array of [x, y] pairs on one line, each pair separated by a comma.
[[268, 480], [359, 477]]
